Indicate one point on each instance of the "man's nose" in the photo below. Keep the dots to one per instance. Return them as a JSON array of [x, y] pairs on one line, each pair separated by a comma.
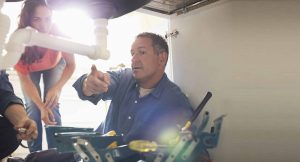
[[134, 58]]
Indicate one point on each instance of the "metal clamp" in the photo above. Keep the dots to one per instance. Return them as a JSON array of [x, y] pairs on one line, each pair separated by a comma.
[[159, 157], [184, 139], [109, 157], [84, 143]]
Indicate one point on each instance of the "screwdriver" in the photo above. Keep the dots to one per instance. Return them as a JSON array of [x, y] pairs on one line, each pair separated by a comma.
[[144, 146]]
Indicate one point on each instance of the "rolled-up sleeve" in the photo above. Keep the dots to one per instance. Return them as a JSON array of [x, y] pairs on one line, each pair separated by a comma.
[[7, 98], [78, 87], [7, 95]]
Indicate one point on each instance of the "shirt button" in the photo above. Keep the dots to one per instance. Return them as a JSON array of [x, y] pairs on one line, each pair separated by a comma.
[[129, 117], [135, 101]]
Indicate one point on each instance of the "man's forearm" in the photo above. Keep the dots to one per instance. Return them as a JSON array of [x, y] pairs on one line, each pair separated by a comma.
[[15, 113], [78, 85]]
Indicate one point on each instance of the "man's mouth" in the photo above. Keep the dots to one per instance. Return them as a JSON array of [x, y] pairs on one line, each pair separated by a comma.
[[136, 68]]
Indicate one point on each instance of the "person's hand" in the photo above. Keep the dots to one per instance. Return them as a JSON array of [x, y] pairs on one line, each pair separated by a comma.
[[26, 129], [16, 114], [96, 82], [52, 97], [47, 116]]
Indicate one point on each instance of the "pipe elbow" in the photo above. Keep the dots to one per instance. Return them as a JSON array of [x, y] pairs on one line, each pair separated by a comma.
[[101, 33], [16, 46], [4, 29], [101, 53], [20, 37]]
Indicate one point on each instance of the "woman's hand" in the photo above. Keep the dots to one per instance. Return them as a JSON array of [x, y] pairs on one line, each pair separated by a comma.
[[52, 97], [47, 116]]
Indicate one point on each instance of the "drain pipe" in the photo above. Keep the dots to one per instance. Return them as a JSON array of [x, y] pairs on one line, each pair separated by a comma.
[[4, 29], [31, 37]]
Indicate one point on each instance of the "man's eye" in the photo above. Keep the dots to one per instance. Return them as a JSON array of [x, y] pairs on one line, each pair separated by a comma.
[[138, 53], [142, 52]]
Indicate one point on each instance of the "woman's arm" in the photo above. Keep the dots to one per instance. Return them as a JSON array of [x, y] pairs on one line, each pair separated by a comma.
[[31, 91], [68, 71], [52, 96]]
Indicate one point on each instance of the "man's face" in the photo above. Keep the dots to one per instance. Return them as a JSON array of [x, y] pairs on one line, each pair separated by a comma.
[[146, 63], [41, 19]]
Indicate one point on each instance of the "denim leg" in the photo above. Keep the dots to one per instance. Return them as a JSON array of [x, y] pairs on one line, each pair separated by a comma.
[[35, 114], [50, 77]]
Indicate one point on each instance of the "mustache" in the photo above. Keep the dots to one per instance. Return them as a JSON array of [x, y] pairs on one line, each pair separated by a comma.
[[136, 66]]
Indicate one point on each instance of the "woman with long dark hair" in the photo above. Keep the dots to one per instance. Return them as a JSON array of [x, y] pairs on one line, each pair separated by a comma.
[[54, 67]]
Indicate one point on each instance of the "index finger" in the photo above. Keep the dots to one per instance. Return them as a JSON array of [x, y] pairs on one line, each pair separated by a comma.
[[48, 103], [48, 121], [106, 78], [51, 103], [94, 71]]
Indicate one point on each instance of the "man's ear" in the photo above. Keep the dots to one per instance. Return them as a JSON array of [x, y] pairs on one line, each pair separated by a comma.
[[163, 57]]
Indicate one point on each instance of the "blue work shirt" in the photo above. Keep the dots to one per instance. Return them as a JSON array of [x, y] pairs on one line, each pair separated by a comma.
[[4, 81], [8, 139], [7, 95], [148, 117]]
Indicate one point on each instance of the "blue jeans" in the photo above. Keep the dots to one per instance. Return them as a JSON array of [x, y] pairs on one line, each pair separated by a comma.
[[50, 77]]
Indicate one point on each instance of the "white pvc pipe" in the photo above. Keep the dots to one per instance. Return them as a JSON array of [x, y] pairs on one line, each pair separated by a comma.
[[61, 44], [14, 48], [101, 33], [29, 37], [4, 27]]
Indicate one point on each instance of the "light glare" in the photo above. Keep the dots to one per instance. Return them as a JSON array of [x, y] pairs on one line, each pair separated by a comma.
[[76, 24]]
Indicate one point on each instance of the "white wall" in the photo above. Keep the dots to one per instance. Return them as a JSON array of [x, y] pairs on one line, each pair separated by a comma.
[[246, 52]]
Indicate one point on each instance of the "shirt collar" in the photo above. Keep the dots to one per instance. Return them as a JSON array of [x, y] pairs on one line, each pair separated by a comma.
[[159, 87]]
